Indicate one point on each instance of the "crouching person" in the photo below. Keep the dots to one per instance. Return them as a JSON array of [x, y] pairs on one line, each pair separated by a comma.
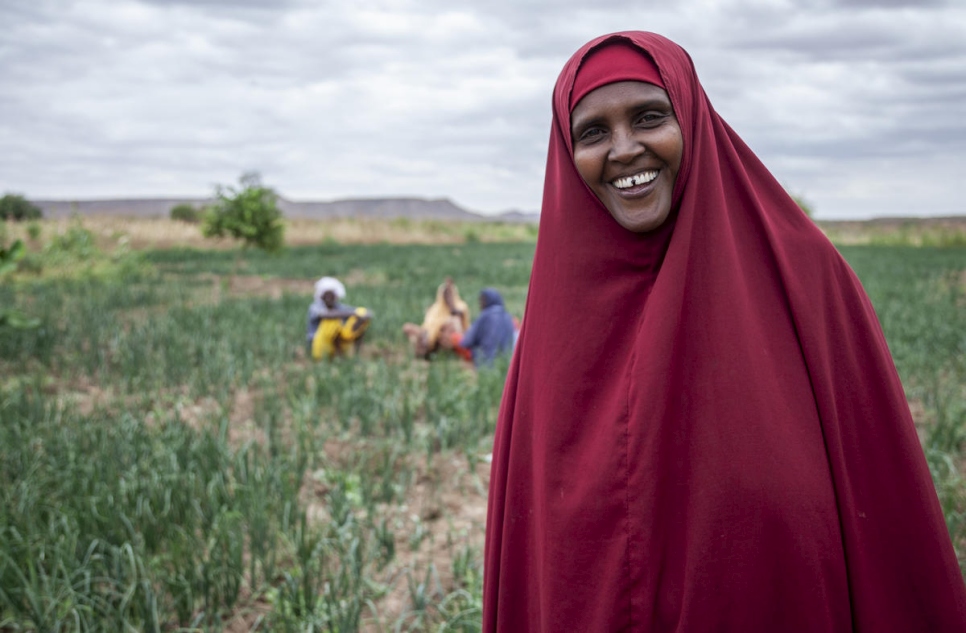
[[334, 328], [492, 333], [448, 317]]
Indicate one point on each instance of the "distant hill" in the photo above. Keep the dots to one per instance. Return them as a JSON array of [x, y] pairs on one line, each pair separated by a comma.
[[384, 208], [414, 208]]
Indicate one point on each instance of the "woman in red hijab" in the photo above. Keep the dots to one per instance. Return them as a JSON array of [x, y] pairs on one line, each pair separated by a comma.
[[728, 447]]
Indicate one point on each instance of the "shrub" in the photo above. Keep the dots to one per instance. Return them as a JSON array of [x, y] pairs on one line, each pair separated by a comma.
[[34, 230], [248, 213], [16, 207], [10, 255], [76, 243], [803, 204], [185, 212]]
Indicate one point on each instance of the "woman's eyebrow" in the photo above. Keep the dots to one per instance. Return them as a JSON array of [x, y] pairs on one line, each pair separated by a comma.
[[578, 122], [656, 103]]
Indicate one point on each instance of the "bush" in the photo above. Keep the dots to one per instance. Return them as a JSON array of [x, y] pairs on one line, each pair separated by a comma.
[[10, 255], [16, 207], [76, 242], [185, 212], [248, 213], [34, 230], [803, 204]]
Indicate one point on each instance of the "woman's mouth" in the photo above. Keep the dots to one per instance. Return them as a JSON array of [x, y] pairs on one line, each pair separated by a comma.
[[632, 183]]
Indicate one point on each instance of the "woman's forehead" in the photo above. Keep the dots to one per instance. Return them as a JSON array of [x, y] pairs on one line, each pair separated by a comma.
[[613, 62], [619, 95]]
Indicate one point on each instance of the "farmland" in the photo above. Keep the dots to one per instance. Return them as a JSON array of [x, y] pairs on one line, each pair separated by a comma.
[[172, 460]]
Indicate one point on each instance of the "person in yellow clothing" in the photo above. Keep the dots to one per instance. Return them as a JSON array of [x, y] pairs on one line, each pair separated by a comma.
[[449, 315], [334, 328]]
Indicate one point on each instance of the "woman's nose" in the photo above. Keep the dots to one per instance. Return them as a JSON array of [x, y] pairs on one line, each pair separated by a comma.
[[626, 147]]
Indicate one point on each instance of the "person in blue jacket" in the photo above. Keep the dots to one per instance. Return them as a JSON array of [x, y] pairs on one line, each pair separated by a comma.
[[492, 332]]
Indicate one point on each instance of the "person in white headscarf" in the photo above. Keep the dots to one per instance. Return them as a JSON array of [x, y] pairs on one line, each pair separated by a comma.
[[334, 328]]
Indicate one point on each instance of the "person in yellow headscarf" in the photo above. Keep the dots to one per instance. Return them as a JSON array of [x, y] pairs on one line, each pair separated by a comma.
[[449, 315], [334, 328]]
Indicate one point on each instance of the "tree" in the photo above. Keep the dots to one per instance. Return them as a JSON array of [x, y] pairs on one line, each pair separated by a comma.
[[16, 207], [185, 212], [803, 204], [248, 213]]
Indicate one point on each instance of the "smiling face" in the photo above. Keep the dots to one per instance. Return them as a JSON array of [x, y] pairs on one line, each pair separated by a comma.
[[627, 148]]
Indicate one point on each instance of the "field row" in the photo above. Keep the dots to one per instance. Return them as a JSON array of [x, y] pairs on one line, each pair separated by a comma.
[[172, 461]]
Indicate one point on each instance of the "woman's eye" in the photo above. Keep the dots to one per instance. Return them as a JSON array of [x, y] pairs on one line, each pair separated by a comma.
[[591, 134], [650, 119]]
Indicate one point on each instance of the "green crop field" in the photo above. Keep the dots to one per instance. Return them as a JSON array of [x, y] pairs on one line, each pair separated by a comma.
[[172, 461]]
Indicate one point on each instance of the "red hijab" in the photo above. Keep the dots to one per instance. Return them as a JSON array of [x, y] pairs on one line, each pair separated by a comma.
[[702, 428]]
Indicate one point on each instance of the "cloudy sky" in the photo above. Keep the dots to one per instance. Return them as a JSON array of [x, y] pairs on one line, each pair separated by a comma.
[[858, 105]]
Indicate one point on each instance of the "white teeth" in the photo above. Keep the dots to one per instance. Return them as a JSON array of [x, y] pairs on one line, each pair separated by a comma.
[[637, 179]]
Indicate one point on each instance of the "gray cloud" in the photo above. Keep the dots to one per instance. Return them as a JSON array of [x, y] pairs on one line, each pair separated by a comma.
[[891, 4], [433, 98]]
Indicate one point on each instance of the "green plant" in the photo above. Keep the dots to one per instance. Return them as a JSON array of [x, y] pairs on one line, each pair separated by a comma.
[[34, 230], [462, 609], [75, 243], [248, 213], [185, 212], [803, 204], [10, 255], [16, 207], [213, 476], [17, 320]]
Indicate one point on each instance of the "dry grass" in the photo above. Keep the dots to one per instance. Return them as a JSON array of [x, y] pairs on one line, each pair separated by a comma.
[[907, 231], [163, 233]]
